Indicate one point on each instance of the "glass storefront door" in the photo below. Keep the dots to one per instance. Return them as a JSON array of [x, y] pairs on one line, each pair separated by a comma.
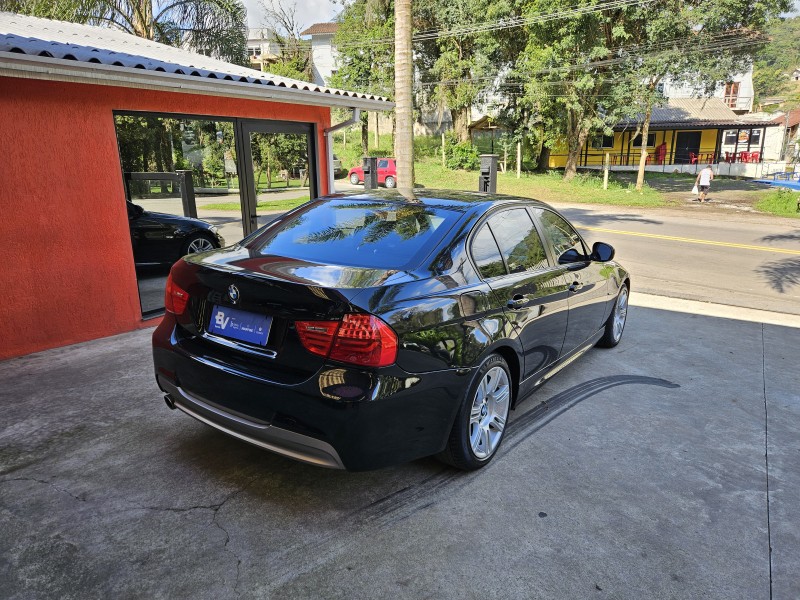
[[243, 173], [281, 170]]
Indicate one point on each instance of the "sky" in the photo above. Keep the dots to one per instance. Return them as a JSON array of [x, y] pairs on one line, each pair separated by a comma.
[[308, 11]]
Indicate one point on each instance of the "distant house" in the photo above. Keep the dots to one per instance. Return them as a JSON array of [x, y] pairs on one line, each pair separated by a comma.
[[796, 75], [261, 48], [737, 94], [687, 132], [323, 52]]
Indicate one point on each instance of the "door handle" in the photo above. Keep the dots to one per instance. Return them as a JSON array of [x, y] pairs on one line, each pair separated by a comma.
[[518, 301]]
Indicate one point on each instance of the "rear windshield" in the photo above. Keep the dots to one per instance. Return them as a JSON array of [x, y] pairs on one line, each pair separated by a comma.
[[363, 233]]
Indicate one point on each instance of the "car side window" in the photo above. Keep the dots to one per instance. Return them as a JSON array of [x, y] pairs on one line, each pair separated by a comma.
[[561, 234], [519, 241], [382, 164], [486, 254]]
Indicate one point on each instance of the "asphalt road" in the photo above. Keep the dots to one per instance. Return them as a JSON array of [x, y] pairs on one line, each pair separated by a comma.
[[702, 253]]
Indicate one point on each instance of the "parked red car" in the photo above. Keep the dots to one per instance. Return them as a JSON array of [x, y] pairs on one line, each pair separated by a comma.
[[387, 173]]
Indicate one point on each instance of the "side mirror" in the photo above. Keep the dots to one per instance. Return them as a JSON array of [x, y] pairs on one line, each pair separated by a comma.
[[602, 252], [571, 256]]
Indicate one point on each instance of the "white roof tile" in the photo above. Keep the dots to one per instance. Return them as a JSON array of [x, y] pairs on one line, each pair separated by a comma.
[[61, 40]]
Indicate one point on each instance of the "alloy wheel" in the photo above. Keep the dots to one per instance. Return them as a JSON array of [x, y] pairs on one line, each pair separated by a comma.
[[199, 244], [620, 313], [487, 419]]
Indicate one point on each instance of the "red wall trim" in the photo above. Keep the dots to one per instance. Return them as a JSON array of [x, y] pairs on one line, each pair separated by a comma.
[[67, 267]]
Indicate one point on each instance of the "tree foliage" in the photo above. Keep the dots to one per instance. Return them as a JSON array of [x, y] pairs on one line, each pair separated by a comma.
[[214, 27], [777, 60], [294, 54], [365, 52]]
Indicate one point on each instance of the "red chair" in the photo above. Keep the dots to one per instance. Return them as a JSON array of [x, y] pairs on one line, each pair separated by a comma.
[[744, 157], [692, 158], [755, 157]]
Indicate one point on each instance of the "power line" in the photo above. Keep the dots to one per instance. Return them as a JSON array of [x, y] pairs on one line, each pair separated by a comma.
[[509, 23]]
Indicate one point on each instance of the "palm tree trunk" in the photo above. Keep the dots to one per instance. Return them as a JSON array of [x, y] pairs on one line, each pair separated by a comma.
[[404, 140]]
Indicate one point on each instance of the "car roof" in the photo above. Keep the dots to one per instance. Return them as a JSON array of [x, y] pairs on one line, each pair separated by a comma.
[[462, 201]]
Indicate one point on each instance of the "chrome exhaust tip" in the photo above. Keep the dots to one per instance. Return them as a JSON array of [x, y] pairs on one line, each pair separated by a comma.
[[170, 402]]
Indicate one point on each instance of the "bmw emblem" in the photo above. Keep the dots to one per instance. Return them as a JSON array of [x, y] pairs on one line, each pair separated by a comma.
[[233, 293]]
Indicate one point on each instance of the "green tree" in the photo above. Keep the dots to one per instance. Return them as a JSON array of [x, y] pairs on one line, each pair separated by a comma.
[[366, 53], [702, 43], [778, 59], [214, 27], [569, 86], [294, 58], [465, 64], [278, 151]]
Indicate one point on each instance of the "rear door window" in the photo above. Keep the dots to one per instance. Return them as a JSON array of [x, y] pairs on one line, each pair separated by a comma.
[[363, 233], [486, 254]]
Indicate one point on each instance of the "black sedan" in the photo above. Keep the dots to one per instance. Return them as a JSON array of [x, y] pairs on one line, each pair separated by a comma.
[[161, 239], [359, 331]]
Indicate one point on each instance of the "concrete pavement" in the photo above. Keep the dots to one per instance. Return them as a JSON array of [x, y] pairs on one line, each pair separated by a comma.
[[638, 472]]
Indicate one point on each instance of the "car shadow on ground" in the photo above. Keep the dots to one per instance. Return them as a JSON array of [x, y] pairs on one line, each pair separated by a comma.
[[220, 457]]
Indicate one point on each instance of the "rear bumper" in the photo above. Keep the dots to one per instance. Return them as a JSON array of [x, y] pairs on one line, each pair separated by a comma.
[[400, 416], [281, 441]]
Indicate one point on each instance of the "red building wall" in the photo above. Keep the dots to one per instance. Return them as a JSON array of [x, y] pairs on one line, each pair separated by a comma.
[[66, 264]]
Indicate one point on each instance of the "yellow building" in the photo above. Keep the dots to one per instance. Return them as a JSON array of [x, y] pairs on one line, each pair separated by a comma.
[[684, 131]]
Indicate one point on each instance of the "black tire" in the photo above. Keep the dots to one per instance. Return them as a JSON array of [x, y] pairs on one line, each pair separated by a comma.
[[613, 334], [198, 242], [390, 182], [465, 436], [354, 179]]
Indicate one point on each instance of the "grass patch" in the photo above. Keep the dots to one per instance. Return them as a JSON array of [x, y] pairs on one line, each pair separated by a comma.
[[782, 202], [548, 187], [270, 205]]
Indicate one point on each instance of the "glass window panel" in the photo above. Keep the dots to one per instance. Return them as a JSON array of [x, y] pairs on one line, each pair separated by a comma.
[[280, 172], [518, 240], [651, 140], [372, 234], [561, 234], [156, 148], [486, 254]]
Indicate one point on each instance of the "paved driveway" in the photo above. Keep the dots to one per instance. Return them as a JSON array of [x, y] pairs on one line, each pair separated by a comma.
[[638, 472]]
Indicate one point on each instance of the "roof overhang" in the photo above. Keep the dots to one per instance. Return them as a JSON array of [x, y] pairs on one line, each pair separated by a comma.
[[13, 64]]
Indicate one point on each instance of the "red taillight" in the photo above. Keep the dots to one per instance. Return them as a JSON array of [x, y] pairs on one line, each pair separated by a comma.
[[317, 336], [175, 297], [357, 339]]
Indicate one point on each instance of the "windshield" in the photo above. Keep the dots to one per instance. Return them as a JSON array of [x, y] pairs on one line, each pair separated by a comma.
[[363, 233]]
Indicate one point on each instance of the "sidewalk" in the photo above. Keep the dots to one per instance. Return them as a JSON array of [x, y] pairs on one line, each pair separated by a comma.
[[638, 472]]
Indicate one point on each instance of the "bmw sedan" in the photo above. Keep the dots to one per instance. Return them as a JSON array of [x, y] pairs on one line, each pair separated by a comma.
[[359, 331], [161, 239]]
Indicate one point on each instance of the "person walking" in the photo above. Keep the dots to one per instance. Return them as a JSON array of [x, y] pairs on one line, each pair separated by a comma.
[[704, 179]]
